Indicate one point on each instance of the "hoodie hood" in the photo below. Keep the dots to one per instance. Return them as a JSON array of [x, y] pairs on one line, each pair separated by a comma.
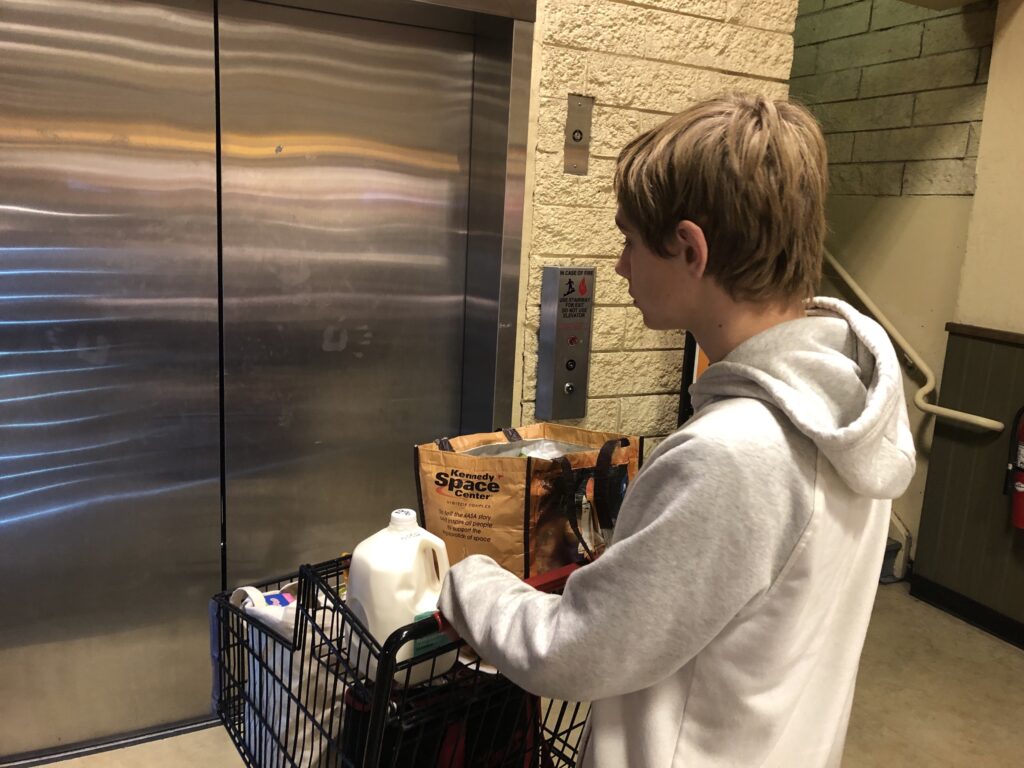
[[835, 376]]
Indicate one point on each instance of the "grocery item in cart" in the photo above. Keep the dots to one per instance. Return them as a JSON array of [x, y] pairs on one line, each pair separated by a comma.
[[394, 579], [270, 713], [465, 717], [534, 498]]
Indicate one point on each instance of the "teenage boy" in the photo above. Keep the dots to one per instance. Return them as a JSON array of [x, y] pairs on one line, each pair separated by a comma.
[[724, 625]]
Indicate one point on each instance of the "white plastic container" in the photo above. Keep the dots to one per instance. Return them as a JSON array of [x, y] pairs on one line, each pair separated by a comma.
[[395, 576]]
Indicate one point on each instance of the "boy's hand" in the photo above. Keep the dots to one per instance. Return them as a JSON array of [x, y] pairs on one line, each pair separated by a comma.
[[449, 631]]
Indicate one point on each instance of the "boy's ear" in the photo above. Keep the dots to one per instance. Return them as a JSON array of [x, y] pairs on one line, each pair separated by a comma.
[[690, 245]]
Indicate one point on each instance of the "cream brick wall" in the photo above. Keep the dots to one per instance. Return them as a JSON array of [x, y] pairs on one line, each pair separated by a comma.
[[641, 61], [899, 90]]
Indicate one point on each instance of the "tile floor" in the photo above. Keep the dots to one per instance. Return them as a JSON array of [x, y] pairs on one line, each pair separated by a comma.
[[933, 692]]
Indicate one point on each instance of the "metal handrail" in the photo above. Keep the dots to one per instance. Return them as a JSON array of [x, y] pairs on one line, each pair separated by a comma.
[[916, 359]]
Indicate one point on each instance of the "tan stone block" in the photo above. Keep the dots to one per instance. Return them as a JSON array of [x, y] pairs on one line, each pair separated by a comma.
[[612, 129], [705, 43], [650, 121], [840, 147], [953, 105], [866, 179], [552, 185], [832, 24], [942, 71], [663, 87], [974, 142], [866, 114], [575, 231], [954, 33], [551, 116], [531, 321], [712, 9], [932, 142], [719, 83], [611, 290], [609, 327], [531, 342], [890, 13], [621, 82], [649, 415], [820, 89], [562, 71], [777, 15], [596, 25], [602, 415], [530, 378], [635, 373], [940, 177], [639, 336], [871, 48], [597, 187], [774, 91]]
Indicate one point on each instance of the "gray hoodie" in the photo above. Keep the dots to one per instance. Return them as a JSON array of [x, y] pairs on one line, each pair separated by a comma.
[[724, 625]]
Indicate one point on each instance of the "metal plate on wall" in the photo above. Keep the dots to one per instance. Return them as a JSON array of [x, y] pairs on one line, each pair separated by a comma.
[[579, 116], [565, 341]]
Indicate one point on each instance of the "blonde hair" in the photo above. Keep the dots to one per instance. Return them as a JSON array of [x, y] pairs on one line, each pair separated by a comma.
[[752, 174]]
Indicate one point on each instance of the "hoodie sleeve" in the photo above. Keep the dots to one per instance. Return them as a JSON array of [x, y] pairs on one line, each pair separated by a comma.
[[695, 545]]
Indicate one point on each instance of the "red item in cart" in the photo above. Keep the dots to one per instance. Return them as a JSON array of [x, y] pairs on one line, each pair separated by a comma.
[[506, 724]]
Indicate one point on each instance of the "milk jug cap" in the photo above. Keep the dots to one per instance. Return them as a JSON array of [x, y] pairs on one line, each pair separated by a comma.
[[403, 518]]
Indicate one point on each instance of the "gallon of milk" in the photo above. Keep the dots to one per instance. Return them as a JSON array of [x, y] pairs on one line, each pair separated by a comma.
[[395, 577]]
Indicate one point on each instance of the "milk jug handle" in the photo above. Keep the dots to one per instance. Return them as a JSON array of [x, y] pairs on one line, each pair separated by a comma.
[[428, 546]]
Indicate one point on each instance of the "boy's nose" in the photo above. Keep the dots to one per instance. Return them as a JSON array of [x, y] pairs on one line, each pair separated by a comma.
[[622, 267]]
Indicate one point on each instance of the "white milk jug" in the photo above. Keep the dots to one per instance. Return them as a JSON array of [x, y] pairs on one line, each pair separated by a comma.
[[395, 577]]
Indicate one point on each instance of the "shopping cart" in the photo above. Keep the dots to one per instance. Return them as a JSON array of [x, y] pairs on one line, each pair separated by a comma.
[[330, 695]]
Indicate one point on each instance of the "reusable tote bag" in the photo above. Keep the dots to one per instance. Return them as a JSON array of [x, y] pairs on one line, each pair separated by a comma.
[[286, 689], [533, 498]]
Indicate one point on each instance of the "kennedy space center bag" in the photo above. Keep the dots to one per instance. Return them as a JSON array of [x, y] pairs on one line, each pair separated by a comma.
[[533, 498]]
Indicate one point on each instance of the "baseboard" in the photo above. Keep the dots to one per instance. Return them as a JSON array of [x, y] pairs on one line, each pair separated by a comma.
[[981, 616], [44, 757]]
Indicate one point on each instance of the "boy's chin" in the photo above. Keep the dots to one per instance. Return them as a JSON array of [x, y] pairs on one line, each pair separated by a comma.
[[655, 323]]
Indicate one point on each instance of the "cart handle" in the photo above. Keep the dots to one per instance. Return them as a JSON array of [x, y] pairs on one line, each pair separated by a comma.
[[549, 581], [554, 580]]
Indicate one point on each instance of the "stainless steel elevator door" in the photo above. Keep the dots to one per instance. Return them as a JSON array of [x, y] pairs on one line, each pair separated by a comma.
[[109, 437], [345, 147]]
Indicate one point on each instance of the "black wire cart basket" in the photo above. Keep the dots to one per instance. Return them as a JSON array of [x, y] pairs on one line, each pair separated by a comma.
[[330, 695]]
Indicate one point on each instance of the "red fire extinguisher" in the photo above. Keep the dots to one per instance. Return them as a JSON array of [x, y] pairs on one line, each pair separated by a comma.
[[1014, 486]]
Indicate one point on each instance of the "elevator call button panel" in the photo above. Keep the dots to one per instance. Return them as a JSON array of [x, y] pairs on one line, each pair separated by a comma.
[[566, 330]]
